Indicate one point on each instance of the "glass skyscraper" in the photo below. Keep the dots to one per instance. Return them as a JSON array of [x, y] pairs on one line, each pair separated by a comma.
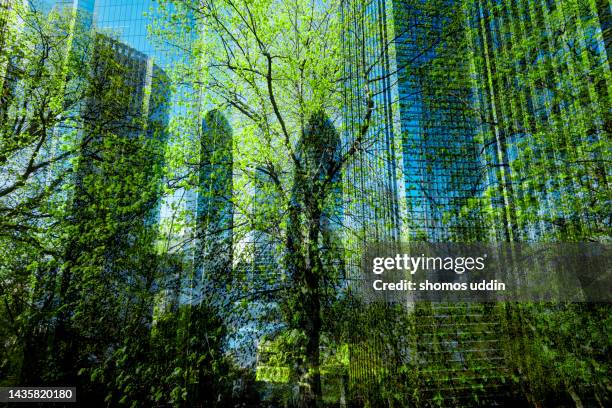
[[86, 6], [501, 139], [126, 24], [425, 150], [125, 124], [130, 23], [373, 197], [544, 123], [214, 217], [439, 150]]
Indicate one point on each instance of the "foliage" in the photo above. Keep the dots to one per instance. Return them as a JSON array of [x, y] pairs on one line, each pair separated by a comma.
[[284, 137]]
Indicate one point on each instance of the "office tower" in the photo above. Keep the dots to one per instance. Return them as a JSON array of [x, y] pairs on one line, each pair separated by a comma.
[[504, 119], [109, 254], [44, 51], [74, 16], [422, 139], [130, 105], [79, 6], [441, 170], [424, 84], [542, 84], [373, 195], [318, 150], [130, 23], [316, 207], [420, 165], [442, 176], [72, 21], [119, 172], [314, 210], [215, 213]]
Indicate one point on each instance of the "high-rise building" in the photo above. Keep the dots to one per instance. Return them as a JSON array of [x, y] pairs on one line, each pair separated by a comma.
[[72, 19], [215, 211], [115, 202], [373, 195], [82, 6], [439, 151], [47, 36], [424, 141], [541, 75], [131, 23], [421, 139], [128, 22], [124, 135], [502, 114]]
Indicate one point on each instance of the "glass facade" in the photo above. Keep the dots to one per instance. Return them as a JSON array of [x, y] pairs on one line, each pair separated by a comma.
[[214, 216], [128, 22], [441, 170], [544, 124], [372, 194], [463, 121], [126, 126], [424, 147], [86, 6], [501, 139]]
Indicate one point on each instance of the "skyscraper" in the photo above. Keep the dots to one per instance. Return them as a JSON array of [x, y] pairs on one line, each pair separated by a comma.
[[124, 137], [502, 113], [441, 171], [541, 76], [214, 217], [373, 194], [424, 96], [83, 6], [130, 22]]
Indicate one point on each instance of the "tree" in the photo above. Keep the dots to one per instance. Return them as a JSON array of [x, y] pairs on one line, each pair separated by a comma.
[[311, 246], [287, 73], [297, 124], [278, 67], [44, 80], [82, 138]]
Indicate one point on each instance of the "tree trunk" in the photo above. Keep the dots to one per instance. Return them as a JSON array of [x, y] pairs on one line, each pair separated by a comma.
[[572, 392], [310, 381], [310, 375]]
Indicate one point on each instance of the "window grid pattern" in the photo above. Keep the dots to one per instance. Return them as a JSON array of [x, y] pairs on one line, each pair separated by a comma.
[[530, 82]]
